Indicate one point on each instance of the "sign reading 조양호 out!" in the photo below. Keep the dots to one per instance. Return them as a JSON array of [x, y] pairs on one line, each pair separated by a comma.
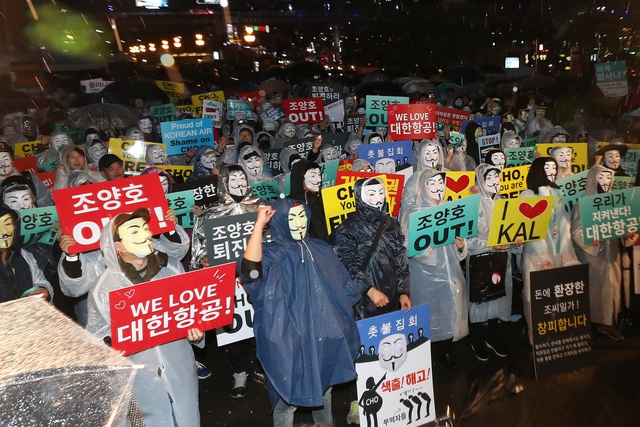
[[163, 113], [611, 78], [525, 218], [181, 203], [578, 157], [560, 318], [377, 109], [304, 111], [610, 216], [519, 156], [36, 223], [180, 136], [395, 186], [395, 378], [415, 121], [574, 187], [513, 181], [440, 225], [154, 313], [458, 184]]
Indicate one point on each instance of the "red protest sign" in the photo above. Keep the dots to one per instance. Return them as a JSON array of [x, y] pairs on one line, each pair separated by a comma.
[[304, 111], [23, 164], [84, 210], [47, 178], [163, 310], [452, 117], [255, 98], [395, 185], [411, 121], [346, 165]]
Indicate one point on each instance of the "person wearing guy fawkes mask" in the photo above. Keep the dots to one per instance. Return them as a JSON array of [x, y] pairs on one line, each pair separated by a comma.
[[496, 158], [234, 198], [251, 159], [611, 156], [306, 182], [205, 163]]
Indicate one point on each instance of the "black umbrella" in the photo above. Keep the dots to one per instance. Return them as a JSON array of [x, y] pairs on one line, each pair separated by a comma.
[[142, 89], [102, 116], [464, 74], [95, 98]]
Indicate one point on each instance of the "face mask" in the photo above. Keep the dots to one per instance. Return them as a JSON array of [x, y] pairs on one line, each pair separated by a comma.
[[478, 133], [207, 159], [497, 159], [612, 159], [513, 143], [331, 154], [312, 180], [165, 183], [431, 156], [298, 222], [136, 136], [496, 110], [563, 157], [90, 138], [492, 182], [392, 352], [237, 183], [19, 199], [435, 187], [6, 231], [158, 156], [6, 164], [373, 195], [97, 151], [375, 140], [254, 165], [458, 103], [136, 237], [289, 131], [145, 126], [59, 140], [385, 166], [604, 180], [550, 170]]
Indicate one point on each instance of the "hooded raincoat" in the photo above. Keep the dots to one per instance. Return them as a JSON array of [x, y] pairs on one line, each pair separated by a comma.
[[246, 152], [388, 268], [199, 171], [499, 308], [44, 156], [62, 174], [92, 161], [318, 227], [307, 339], [436, 276], [605, 274], [166, 387], [409, 194]]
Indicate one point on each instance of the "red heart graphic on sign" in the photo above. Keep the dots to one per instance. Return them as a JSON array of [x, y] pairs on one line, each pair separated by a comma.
[[459, 185], [120, 305], [392, 108], [533, 211]]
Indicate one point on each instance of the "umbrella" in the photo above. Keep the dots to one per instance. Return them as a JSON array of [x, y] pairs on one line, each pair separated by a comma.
[[417, 85], [53, 372], [401, 81], [536, 81], [273, 86], [442, 88], [374, 77], [473, 91], [96, 115], [464, 74], [94, 98], [135, 89]]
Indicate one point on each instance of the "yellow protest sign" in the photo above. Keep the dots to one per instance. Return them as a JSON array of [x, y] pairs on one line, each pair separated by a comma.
[[188, 109], [524, 218], [179, 173], [171, 89], [459, 184], [25, 149], [339, 201], [578, 159], [132, 153], [213, 96], [601, 144], [513, 181]]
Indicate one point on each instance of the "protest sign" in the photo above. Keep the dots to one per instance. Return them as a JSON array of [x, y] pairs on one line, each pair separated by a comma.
[[519, 156], [458, 184], [47, 178], [50, 165], [266, 190], [186, 109], [179, 173], [525, 218], [416, 121], [561, 320], [486, 144], [377, 108], [610, 216], [452, 117], [456, 139], [530, 142], [94, 85], [395, 185], [255, 98], [212, 110], [578, 158], [89, 207], [181, 135], [513, 181], [204, 190], [171, 89], [304, 111], [395, 377], [197, 101], [630, 162], [132, 153], [346, 165], [623, 182], [274, 113], [163, 113], [304, 145], [241, 327], [25, 149], [328, 92], [163, 310], [611, 78], [75, 134], [439, 225], [329, 171], [352, 122], [235, 107], [574, 187], [272, 160], [335, 112], [389, 157], [181, 203], [25, 164], [490, 125], [36, 223]]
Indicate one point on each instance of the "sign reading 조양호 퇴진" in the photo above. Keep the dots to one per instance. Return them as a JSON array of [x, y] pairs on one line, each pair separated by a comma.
[[180, 136], [411, 121], [440, 225], [395, 186], [610, 216], [458, 184], [574, 187], [377, 108], [163, 310], [560, 318], [611, 78], [525, 219], [181, 203], [513, 181], [304, 111], [395, 377], [328, 92], [352, 122]]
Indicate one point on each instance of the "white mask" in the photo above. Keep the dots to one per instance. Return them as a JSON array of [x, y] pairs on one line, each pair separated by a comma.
[[431, 156], [436, 187], [612, 159], [145, 125], [289, 130], [97, 151], [392, 352], [604, 179], [373, 195], [498, 159], [159, 155], [330, 153], [7, 230], [313, 180], [136, 237], [58, 141], [551, 170], [375, 140], [19, 199], [385, 165], [90, 137], [165, 183], [492, 182], [207, 159], [253, 165], [6, 164], [136, 136], [237, 183], [563, 157], [298, 222]]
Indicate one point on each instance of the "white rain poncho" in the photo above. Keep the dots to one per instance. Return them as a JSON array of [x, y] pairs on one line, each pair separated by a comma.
[[351, 147], [436, 276], [166, 388], [605, 276], [510, 140], [253, 175], [460, 160], [62, 173], [501, 307], [52, 151]]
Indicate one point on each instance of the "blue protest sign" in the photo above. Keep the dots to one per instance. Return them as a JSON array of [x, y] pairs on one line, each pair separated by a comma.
[[490, 125], [388, 157], [180, 136]]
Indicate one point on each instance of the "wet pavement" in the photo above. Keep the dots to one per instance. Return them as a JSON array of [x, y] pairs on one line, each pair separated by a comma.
[[501, 392]]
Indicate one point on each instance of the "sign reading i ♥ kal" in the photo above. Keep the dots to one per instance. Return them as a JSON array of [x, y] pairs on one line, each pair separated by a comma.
[[180, 136], [304, 111], [415, 121]]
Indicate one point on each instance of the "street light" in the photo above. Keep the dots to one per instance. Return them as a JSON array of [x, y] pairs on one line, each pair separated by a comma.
[[199, 40], [176, 41]]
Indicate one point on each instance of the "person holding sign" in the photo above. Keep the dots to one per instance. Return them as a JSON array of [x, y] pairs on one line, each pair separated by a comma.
[[43, 195], [612, 155], [166, 387], [488, 266], [563, 156], [428, 155], [436, 275], [73, 159], [556, 249], [305, 332], [605, 274], [306, 182], [56, 142], [252, 161]]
